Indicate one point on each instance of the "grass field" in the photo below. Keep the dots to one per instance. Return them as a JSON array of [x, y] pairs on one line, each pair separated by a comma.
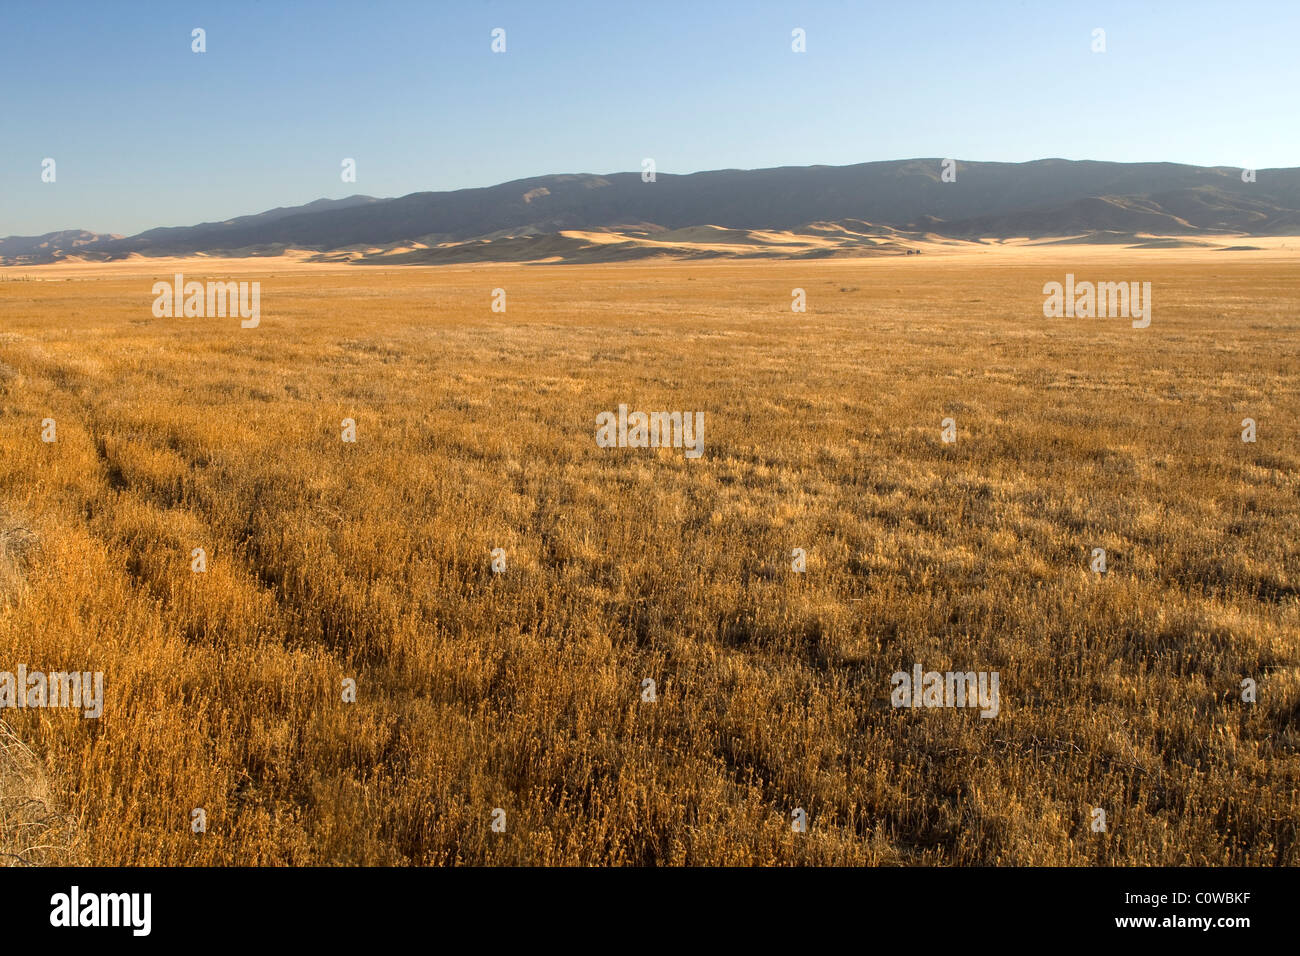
[[522, 690]]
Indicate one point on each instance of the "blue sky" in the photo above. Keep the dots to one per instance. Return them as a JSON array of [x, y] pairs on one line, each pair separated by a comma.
[[145, 132]]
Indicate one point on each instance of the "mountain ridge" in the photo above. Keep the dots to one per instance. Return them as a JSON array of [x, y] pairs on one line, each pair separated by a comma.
[[897, 198]]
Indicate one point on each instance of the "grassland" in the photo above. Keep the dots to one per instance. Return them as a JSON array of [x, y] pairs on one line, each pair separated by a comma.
[[521, 690]]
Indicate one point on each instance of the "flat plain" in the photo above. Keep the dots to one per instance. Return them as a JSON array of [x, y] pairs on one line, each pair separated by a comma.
[[522, 690]]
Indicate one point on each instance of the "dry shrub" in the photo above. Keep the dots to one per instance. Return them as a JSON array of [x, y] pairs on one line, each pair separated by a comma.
[[17, 544], [32, 831]]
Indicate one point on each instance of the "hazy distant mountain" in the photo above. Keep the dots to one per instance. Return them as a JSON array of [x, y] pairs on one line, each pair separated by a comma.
[[49, 247], [232, 233], [1050, 197]]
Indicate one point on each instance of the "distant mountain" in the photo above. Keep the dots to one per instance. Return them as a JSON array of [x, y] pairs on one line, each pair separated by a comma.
[[234, 233], [49, 247], [888, 200]]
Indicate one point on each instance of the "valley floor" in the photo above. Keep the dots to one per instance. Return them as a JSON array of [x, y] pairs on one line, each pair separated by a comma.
[[524, 691]]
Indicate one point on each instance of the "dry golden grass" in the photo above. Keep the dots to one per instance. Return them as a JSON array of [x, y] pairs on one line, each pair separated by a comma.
[[521, 690]]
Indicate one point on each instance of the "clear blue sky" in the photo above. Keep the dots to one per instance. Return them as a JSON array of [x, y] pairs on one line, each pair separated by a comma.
[[147, 133]]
